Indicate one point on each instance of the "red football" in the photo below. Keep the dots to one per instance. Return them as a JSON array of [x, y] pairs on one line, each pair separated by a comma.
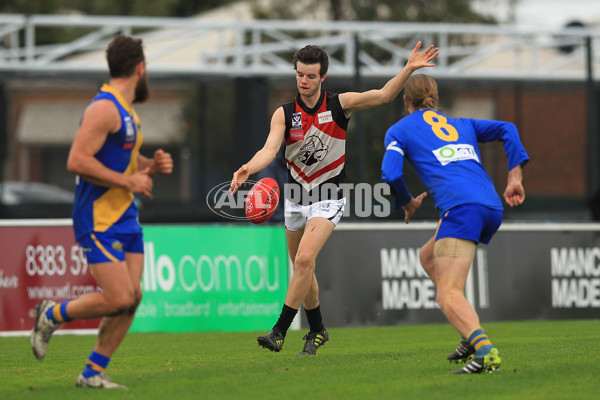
[[262, 200]]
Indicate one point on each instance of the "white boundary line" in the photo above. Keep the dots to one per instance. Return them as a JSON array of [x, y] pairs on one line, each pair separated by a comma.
[[58, 332], [506, 226], [36, 222], [364, 226]]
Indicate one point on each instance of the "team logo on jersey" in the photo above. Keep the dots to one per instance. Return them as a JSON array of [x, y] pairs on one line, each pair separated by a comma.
[[296, 132], [129, 132], [313, 150], [297, 121], [325, 117]]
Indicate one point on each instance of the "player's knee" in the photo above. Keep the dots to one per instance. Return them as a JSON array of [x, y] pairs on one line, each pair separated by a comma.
[[446, 296], [303, 263], [136, 303], [121, 304]]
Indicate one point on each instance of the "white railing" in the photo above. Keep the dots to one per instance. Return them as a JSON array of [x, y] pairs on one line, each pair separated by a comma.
[[260, 47]]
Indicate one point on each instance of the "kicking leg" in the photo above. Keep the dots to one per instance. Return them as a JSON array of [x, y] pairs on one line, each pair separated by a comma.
[[304, 247]]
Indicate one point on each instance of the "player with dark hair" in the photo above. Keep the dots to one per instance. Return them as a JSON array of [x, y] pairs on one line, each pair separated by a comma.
[[445, 153], [110, 172], [314, 126]]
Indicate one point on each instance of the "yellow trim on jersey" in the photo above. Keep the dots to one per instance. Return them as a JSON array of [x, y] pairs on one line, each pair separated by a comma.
[[107, 88], [109, 207], [103, 249]]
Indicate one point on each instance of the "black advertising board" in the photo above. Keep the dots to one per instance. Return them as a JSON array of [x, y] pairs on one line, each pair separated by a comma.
[[370, 274]]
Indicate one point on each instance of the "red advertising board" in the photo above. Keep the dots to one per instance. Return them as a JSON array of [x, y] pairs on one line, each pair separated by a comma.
[[40, 260]]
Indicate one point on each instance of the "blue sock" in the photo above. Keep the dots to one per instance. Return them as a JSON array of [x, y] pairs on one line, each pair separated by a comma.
[[480, 342], [484, 350], [96, 364], [58, 313]]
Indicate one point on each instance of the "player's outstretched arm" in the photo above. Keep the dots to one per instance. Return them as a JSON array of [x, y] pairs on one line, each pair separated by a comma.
[[264, 156], [353, 101]]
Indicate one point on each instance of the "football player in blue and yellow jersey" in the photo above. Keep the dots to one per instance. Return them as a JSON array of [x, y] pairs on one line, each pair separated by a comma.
[[445, 153], [110, 173]]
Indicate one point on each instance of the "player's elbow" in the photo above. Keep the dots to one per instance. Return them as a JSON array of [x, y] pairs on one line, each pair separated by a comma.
[[393, 177], [73, 164], [386, 95], [388, 98]]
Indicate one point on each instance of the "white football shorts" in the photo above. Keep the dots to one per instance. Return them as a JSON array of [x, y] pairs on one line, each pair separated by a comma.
[[296, 215]]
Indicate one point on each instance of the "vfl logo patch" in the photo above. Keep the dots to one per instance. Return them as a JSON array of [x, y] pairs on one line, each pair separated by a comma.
[[296, 132], [129, 133], [455, 152], [297, 121], [313, 150], [325, 117]]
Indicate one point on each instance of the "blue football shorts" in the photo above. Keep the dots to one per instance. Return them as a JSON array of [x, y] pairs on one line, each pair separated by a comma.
[[102, 247], [469, 221]]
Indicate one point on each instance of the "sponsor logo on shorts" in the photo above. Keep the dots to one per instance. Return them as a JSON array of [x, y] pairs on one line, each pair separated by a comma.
[[117, 245]]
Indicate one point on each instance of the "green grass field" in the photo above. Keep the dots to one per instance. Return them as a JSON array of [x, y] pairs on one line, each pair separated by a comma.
[[540, 360]]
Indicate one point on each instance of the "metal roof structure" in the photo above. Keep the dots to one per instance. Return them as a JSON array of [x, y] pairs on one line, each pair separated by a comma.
[[184, 46]]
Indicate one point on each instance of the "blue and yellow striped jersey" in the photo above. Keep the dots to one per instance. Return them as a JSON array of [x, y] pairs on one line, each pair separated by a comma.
[[101, 209]]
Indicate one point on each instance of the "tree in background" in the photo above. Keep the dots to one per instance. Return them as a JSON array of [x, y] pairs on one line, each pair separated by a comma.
[[149, 8], [337, 10], [371, 10]]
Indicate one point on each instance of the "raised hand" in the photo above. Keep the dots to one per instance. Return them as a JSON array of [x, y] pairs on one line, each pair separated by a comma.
[[418, 60]]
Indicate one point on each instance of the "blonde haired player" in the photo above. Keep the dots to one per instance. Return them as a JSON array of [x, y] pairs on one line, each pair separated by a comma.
[[445, 153]]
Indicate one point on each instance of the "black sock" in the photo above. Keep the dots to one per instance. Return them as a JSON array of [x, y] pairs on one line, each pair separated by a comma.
[[315, 321], [285, 319]]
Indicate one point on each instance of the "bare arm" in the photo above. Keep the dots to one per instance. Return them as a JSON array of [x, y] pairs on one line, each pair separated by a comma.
[[353, 101], [514, 194], [99, 120], [264, 156]]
